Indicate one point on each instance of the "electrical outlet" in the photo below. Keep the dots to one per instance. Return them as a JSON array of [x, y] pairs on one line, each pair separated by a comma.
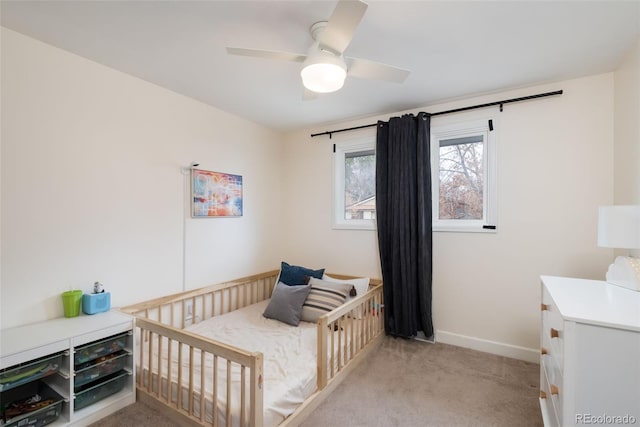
[[190, 317], [188, 314]]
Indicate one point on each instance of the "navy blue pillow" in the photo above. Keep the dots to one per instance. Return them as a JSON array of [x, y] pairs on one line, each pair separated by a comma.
[[293, 275]]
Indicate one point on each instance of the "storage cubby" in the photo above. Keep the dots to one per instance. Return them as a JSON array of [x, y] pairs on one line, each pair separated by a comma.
[[98, 390], [101, 367], [27, 372], [32, 404], [67, 371]]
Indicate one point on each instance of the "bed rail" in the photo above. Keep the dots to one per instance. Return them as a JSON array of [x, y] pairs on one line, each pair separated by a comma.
[[185, 390], [181, 370], [185, 308], [345, 336], [346, 331], [168, 355]]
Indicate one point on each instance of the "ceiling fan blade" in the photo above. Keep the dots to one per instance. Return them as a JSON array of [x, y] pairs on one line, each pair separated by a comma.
[[366, 69], [342, 25], [268, 54]]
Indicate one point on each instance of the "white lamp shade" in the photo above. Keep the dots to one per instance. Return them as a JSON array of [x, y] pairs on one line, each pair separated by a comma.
[[323, 72], [619, 226]]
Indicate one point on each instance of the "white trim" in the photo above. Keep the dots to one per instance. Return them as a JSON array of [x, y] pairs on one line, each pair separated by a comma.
[[463, 229], [490, 210], [341, 149], [487, 346]]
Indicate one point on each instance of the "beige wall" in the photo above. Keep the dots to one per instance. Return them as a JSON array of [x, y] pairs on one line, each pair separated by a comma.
[[555, 167], [627, 129], [92, 187], [92, 190]]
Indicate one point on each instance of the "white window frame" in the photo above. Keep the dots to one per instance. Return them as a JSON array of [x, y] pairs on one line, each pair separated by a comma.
[[341, 149], [490, 194]]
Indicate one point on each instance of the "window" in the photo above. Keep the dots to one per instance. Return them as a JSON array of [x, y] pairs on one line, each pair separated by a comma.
[[463, 177], [463, 168], [355, 184]]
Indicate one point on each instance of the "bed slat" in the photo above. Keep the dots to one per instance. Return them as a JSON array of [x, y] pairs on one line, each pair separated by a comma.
[[243, 391], [215, 391], [169, 363], [150, 371], [228, 408], [190, 395], [202, 389], [323, 329], [256, 390]]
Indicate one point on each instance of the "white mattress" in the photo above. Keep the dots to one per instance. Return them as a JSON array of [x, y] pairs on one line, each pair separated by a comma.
[[289, 355], [289, 374]]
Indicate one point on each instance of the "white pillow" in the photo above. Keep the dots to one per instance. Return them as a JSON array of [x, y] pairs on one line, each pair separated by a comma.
[[361, 284]]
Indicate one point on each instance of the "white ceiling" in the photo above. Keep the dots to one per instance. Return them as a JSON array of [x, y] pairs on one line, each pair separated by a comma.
[[453, 48]]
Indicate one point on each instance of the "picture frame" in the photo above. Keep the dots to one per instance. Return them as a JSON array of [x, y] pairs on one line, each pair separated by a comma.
[[215, 194]]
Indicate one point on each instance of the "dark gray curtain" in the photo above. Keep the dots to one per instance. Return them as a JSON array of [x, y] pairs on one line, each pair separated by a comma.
[[403, 211]]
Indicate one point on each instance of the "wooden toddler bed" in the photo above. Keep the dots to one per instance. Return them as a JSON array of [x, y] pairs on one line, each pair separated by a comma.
[[185, 362]]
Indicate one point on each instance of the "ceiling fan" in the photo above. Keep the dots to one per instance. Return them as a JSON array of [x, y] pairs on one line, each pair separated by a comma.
[[324, 67]]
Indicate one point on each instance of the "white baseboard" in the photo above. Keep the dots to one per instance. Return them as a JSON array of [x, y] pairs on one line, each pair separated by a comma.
[[493, 347]]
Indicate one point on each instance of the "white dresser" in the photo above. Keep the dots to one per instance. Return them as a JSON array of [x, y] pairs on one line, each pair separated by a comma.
[[590, 353]]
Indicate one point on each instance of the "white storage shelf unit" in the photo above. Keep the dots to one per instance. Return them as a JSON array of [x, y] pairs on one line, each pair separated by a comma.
[[95, 364]]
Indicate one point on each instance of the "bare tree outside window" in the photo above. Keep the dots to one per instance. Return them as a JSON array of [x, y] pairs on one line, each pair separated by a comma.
[[461, 178], [359, 180]]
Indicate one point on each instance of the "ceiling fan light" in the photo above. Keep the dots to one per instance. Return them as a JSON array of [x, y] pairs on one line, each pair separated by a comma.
[[323, 75]]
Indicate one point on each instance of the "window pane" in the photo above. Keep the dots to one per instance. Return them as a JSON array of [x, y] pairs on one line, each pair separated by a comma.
[[359, 185], [461, 178]]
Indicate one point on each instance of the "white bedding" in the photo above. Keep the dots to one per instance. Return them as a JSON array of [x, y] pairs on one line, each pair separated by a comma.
[[289, 374], [289, 355]]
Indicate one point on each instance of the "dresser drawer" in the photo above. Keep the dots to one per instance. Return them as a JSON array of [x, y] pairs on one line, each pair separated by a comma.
[[547, 404], [554, 381], [552, 328]]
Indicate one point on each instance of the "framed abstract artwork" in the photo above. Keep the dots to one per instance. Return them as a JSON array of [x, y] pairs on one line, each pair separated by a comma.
[[215, 194]]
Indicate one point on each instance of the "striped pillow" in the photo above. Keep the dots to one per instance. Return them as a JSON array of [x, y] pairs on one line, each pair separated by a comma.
[[323, 297]]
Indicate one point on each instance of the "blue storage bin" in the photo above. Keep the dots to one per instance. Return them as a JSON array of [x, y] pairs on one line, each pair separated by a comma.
[[96, 303]]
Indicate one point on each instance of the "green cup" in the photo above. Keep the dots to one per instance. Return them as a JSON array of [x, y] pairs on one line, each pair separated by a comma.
[[71, 301]]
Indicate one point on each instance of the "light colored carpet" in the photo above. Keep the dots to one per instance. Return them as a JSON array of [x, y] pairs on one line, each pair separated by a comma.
[[411, 383]]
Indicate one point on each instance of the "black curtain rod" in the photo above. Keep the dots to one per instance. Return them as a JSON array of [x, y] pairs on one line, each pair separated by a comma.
[[457, 110]]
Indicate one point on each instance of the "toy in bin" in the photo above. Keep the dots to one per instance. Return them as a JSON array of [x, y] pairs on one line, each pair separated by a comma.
[[98, 301]]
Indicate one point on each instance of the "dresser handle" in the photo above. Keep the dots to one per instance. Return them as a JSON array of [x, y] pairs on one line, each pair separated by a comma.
[[543, 351], [554, 333], [554, 390], [544, 307], [543, 395]]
